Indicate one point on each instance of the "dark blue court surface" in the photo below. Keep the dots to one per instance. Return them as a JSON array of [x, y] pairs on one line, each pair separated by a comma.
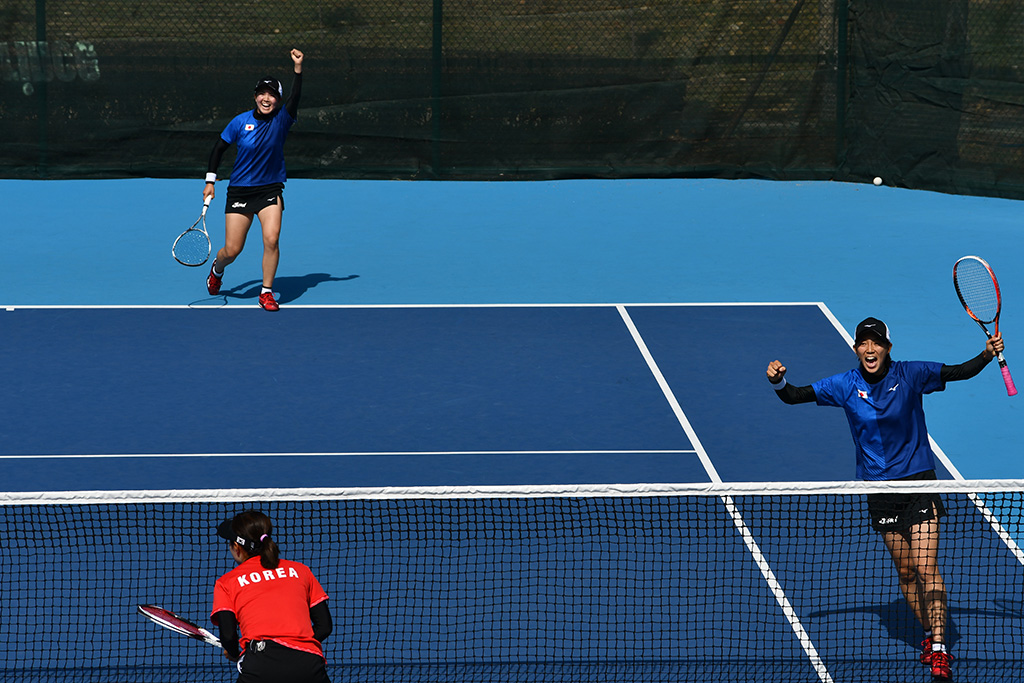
[[424, 396]]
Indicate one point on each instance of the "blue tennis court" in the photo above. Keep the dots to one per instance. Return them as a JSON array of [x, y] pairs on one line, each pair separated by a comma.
[[400, 396], [494, 336], [858, 250]]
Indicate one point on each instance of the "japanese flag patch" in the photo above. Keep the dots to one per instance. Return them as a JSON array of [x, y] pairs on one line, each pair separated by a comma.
[[250, 126]]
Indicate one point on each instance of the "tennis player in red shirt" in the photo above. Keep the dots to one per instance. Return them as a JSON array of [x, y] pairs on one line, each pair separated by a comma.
[[272, 613]]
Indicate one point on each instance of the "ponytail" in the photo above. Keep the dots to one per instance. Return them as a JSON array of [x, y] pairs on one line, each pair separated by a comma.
[[269, 553]]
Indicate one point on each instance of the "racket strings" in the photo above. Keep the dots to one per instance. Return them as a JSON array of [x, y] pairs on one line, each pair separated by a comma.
[[977, 289], [192, 248]]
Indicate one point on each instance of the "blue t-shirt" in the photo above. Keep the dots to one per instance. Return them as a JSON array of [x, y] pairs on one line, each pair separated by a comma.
[[260, 158], [886, 418]]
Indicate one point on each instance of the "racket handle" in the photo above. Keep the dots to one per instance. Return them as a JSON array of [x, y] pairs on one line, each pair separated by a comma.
[[1011, 390], [206, 203]]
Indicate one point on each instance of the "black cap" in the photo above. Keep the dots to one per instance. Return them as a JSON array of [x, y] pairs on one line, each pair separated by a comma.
[[872, 327], [225, 531], [271, 85]]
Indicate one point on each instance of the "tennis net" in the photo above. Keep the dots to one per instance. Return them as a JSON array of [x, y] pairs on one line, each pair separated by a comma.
[[723, 582]]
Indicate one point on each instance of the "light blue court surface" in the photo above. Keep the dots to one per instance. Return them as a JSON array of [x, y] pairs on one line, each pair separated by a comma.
[[859, 250]]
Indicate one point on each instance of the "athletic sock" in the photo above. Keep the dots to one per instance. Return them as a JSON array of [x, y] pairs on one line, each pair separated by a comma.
[[265, 290], [938, 647], [217, 273]]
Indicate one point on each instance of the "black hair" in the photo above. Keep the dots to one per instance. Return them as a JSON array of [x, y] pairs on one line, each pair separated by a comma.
[[255, 527]]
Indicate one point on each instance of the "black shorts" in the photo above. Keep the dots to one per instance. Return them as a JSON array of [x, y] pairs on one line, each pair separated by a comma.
[[900, 511], [267, 662], [252, 200]]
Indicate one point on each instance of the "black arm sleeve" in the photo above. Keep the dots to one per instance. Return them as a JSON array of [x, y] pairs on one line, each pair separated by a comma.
[[217, 154], [228, 633], [292, 105], [320, 615], [793, 395], [954, 373]]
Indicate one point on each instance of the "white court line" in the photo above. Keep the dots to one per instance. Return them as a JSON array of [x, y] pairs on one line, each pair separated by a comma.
[[343, 454], [748, 538], [778, 592], [669, 396], [235, 307]]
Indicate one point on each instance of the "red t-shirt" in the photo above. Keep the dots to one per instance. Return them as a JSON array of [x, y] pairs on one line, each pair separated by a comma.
[[270, 604]]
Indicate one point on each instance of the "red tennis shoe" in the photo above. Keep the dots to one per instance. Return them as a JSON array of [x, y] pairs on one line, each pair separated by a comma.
[[213, 283], [267, 302], [926, 651], [941, 671]]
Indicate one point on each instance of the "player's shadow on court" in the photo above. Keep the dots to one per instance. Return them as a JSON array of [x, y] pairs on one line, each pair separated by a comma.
[[899, 622], [287, 287]]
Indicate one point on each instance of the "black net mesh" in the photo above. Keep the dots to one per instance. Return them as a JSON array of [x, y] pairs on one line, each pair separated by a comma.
[[769, 587]]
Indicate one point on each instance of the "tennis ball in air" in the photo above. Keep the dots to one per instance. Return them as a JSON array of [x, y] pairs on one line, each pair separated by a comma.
[[877, 181]]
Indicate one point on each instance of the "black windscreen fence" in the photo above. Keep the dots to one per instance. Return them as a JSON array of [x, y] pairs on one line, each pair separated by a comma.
[[927, 94]]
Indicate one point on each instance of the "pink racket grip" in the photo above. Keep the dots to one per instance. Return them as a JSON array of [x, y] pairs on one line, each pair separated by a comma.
[[1011, 390]]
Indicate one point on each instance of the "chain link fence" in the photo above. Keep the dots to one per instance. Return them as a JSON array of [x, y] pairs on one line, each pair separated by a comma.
[[926, 93]]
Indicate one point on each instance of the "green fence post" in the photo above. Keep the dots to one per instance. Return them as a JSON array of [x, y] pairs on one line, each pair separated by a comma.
[[842, 76], [435, 113], [41, 95]]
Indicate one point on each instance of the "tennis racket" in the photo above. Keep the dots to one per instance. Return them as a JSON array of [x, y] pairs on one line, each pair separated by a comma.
[[192, 248], [171, 621], [978, 289]]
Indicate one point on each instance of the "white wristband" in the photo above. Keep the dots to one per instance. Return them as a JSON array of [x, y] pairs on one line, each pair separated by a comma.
[[211, 177], [779, 386]]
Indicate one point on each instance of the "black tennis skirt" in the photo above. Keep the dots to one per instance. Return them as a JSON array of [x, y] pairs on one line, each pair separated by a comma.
[[900, 511], [252, 200]]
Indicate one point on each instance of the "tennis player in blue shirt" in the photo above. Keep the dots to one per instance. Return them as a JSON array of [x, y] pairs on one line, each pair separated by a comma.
[[256, 187], [883, 403]]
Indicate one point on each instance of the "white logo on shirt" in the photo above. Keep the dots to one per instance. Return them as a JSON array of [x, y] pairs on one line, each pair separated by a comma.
[[894, 387], [267, 575]]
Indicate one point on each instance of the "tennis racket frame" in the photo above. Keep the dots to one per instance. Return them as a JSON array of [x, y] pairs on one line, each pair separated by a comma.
[[173, 622], [200, 227], [1011, 389]]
